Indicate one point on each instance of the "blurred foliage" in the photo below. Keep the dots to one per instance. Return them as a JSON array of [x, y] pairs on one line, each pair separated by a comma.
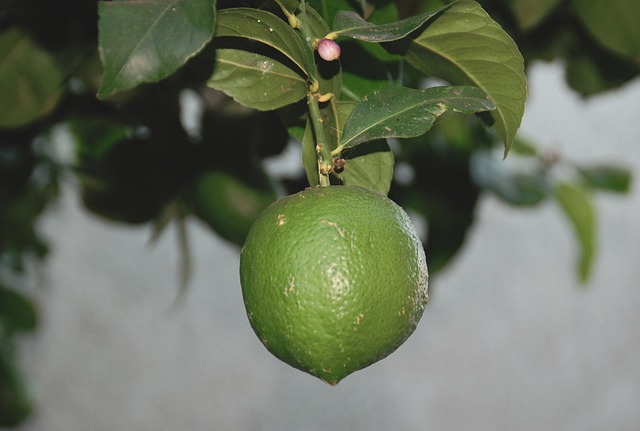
[[136, 157]]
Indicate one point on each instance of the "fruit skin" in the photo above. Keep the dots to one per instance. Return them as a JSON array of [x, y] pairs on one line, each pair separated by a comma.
[[333, 279]]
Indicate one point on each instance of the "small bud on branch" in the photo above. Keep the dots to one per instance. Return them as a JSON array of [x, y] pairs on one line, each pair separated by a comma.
[[328, 50]]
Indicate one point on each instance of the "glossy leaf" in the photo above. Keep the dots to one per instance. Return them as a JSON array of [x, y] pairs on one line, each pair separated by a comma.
[[146, 41], [577, 206], [369, 165], [264, 27], [400, 112], [464, 46], [31, 80], [348, 23], [256, 80], [613, 23], [610, 178]]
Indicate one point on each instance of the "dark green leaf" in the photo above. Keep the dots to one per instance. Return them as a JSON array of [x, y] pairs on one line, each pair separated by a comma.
[[367, 66], [351, 24], [291, 5], [17, 313], [614, 24], [369, 165], [401, 112], [295, 117], [95, 136], [31, 81], [590, 68], [256, 80], [15, 400], [146, 41], [577, 206], [310, 156], [363, 72], [264, 27], [529, 13], [464, 46], [611, 178], [328, 9], [383, 12]]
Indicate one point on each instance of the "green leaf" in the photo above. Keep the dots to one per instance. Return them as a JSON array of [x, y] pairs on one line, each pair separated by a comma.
[[577, 206], [291, 5], [369, 165], [363, 72], [464, 46], [613, 23], [401, 112], [368, 65], [328, 9], [529, 13], [146, 41], [256, 80], [377, 12], [611, 178], [31, 80], [348, 23], [16, 403], [523, 182], [264, 27], [96, 135], [309, 155], [17, 313]]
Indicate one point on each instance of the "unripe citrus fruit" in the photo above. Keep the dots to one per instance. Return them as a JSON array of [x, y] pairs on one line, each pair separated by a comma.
[[333, 279]]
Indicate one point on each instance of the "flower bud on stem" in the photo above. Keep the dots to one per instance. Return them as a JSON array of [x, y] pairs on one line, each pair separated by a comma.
[[328, 49]]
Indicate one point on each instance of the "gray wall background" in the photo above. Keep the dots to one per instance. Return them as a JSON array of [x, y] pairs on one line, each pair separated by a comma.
[[509, 340]]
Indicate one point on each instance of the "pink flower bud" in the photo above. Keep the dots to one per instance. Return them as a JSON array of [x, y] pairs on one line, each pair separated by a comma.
[[328, 50]]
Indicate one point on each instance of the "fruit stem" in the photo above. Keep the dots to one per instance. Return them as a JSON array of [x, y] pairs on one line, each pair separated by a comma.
[[313, 98], [324, 155]]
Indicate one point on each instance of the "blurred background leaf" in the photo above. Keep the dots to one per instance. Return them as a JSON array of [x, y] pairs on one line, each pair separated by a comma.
[[576, 204], [147, 41], [31, 84]]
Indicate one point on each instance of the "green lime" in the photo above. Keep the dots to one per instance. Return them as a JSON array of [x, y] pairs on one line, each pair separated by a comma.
[[333, 279]]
